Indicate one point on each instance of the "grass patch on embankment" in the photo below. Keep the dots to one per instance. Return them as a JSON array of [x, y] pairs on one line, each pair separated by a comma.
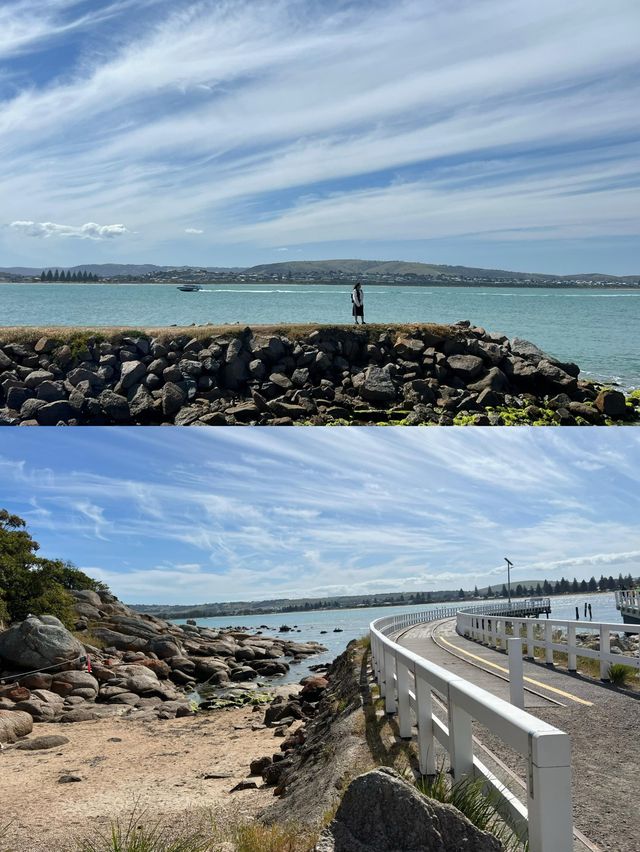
[[112, 334], [193, 832]]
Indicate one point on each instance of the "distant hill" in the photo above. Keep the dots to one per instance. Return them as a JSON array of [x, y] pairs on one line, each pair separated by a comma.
[[374, 269], [401, 267]]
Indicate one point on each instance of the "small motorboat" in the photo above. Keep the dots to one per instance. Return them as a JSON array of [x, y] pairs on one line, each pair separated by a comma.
[[189, 288]]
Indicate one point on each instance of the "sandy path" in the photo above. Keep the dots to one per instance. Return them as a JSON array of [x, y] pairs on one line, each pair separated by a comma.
[[160, 763]]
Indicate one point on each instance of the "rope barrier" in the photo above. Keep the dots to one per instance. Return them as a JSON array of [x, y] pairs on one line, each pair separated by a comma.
[[83, 659]]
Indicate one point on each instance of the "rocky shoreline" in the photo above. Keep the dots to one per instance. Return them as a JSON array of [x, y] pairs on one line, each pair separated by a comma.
[[403, 374], [121, 663]]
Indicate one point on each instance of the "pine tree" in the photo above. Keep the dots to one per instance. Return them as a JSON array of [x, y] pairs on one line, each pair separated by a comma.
[[43, 277], [49, 275], [56, 275]]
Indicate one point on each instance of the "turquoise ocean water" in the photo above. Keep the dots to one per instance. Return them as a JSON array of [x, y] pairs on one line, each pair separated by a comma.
[[354, 623], [596, 329]]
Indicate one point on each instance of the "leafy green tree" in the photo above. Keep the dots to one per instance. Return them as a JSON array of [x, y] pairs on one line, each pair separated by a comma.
[[31, 584], [4, 612]]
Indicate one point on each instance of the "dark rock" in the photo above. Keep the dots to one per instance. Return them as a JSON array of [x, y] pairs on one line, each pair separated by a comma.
[[36, 378], [258, 765], [173, 398], [611, 403], [115, 406], [42, 743], [69, 778], [380, 812], [244, 412], [53, 413], [244, 785], [377, 385], [132, 372], [465, 366]]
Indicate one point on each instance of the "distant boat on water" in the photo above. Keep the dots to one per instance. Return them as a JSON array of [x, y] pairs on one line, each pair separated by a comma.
[[189, 288]]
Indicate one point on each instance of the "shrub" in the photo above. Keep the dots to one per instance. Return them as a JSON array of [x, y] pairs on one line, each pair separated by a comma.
[[470, 797], [621, 675]]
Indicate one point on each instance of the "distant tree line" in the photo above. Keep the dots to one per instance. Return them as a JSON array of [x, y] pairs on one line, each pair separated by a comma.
[[61, 275], [518, 590], [564, 587]]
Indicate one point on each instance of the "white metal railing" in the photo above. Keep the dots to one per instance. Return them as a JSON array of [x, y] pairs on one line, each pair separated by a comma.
[[552, 635], [629, 599], [407, 683]]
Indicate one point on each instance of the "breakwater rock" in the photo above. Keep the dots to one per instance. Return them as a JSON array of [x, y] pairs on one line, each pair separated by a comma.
[[140, 665], [410, 374]]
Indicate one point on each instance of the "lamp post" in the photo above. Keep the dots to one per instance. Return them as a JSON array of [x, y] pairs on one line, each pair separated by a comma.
[[509, 567]]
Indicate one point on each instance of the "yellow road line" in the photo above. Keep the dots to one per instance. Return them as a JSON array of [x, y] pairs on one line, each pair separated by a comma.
[[486, 662]]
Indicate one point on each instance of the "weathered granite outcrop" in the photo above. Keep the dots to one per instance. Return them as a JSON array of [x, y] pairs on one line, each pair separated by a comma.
[[321, 741], [380, 812], [144, 666], [399, 374], [38, 642]]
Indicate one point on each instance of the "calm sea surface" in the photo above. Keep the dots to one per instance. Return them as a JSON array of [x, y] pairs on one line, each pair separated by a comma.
[[354, 623], [597, 330]]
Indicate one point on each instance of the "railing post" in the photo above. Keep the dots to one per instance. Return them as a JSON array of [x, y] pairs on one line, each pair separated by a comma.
[[605, 647], [426, 740], [548, 642], [516, 675], [549, 793], [390, 704], [531, 651], [404, 702], [572, 662], [382, 670], [460, 738]]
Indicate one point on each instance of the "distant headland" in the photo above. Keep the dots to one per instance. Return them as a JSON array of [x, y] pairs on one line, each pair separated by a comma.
[[371, 272]]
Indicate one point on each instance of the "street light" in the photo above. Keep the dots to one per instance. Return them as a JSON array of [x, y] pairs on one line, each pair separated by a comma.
[[509, 567]]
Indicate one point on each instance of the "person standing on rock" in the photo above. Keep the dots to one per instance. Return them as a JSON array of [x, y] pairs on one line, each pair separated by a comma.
[[357, 303]]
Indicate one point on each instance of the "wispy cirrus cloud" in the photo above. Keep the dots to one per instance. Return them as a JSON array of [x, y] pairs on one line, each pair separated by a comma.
[[278, 124], [162, 516]]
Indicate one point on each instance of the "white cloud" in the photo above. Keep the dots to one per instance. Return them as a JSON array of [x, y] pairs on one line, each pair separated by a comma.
[[193, 231], [88, 231]]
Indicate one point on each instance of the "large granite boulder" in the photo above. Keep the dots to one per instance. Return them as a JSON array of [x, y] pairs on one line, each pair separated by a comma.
[[38, 642], [380, 812], [14, 724]]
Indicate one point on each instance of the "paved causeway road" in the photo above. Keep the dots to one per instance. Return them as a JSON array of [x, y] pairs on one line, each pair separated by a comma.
[[604, 725]]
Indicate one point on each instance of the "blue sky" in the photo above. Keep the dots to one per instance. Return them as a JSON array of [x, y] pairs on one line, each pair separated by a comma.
[[195, 515], [484, 132]]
